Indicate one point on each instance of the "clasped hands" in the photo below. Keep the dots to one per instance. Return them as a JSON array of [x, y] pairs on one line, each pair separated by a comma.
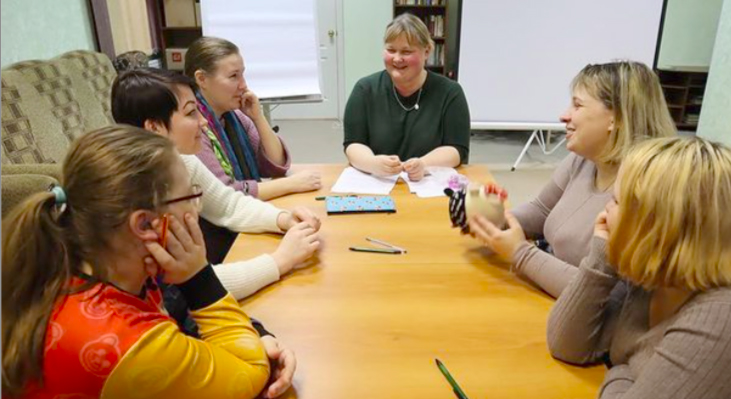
[[389, 165]]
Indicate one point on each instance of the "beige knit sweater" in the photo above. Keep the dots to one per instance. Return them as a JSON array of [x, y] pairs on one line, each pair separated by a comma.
[[564, 212]]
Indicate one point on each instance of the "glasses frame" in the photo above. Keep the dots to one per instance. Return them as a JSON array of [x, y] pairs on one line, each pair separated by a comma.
[[197, 194]]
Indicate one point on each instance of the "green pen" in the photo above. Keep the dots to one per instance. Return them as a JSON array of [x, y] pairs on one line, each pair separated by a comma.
[[455, 388], [376, 250]]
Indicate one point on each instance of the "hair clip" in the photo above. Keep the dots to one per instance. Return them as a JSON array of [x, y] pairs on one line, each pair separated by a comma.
[[60, 197]]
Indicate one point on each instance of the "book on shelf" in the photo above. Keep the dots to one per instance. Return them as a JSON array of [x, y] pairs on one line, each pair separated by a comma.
[[435, 24], [436, 58], [692, 119], [420, 2], [695, 100]]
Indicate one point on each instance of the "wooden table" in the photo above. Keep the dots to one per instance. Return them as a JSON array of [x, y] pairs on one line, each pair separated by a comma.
[[370, 325]]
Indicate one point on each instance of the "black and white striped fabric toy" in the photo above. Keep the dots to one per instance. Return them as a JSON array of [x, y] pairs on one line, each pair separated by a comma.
[[473, 199]]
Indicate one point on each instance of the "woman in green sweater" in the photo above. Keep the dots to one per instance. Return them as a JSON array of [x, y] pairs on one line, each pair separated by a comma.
[[406, 118]]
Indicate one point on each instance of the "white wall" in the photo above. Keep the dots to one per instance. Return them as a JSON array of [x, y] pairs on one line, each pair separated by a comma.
[[689, 33], [688, 36], [504, 45], [715, 122], [364, 22], [41, 29]]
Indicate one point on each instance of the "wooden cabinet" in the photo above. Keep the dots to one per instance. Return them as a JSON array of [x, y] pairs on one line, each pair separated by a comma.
[[442, 19], [684, 89], [177, 26]]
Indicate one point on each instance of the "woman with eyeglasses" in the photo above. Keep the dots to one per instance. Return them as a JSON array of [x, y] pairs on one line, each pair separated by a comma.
[[164, 102], [82, 313]]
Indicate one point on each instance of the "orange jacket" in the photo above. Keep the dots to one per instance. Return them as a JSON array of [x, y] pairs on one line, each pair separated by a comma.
[[106, 343]]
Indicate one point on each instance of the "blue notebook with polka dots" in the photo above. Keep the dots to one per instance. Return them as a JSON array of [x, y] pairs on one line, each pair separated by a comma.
[[360, 204]]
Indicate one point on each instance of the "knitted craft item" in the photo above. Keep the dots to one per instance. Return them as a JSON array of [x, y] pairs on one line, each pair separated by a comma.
[[473, 199]]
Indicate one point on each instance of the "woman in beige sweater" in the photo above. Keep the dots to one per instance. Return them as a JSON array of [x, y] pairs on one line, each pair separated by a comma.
[[653, 298], [613, 106]]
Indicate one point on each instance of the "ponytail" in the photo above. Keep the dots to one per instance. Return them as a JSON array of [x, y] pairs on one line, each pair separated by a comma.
[[35, 268], [107, 174]]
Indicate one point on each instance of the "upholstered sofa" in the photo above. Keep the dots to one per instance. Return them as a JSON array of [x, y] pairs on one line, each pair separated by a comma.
[[45, 105]]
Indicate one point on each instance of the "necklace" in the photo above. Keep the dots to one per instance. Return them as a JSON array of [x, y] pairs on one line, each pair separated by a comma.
[[415, 107]]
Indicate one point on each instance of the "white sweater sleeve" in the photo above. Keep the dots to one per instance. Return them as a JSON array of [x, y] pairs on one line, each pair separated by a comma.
[[226, 207], [244, 278]]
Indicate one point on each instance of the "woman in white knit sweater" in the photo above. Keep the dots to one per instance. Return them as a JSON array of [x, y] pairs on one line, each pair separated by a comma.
[[163, 102]]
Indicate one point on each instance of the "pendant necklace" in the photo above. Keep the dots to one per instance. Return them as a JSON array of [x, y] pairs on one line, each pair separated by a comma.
[[415, 107]]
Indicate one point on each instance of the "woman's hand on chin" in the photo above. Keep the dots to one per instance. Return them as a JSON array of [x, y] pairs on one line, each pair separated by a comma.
[[250, 105], [183, 256]]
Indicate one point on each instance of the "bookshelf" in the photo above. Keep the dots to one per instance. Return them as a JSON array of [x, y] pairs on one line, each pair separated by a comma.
[[684, 89], [440, 18], [178, 25]]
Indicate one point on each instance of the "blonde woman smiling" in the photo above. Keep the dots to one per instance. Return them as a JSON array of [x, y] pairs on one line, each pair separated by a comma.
[[654, 295], [613, 106], [406, 118]]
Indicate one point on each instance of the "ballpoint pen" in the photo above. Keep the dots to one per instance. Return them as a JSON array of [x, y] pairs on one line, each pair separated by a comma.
[[376, 250], [455, 388], [324, 197], [385, 244]]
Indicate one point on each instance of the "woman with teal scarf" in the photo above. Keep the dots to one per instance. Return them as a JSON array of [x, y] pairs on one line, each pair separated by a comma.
[[240, 147]]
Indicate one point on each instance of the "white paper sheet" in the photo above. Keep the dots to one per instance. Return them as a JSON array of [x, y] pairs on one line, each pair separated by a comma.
[[277, 38], [353, 181], [433, 184]]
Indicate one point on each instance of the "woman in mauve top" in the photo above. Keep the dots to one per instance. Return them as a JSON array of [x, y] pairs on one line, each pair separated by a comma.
[[613, 106], [239, 147], [653, 298]]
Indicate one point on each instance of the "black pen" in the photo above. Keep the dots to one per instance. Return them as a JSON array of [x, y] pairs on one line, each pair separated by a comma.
[[324, 197], [376, 250], [455, 388]]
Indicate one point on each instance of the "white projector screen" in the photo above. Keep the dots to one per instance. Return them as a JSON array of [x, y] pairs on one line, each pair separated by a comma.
[[517, 58], [277, 38]]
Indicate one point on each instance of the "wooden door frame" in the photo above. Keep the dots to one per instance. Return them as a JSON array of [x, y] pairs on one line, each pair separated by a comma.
[[102, 25], [99, 13], [340, 45]]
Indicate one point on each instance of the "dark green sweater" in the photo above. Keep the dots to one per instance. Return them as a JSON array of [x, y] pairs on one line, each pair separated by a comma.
[[374, 118]]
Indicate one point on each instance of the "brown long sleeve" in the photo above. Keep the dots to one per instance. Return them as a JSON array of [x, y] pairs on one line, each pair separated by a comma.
[[564, 213], [576, 325], [545, 270], [686, 356], [532, 215]]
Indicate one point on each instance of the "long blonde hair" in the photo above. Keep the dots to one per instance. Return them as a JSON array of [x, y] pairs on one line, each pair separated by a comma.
[[632, 92], [674, 227], [107, 174]]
